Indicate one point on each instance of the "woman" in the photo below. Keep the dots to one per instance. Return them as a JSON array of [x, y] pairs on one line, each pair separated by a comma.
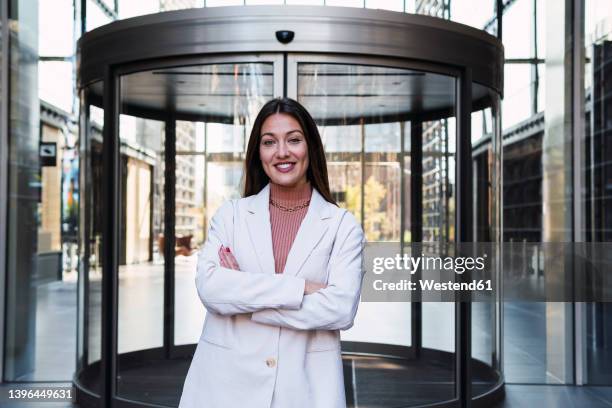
[[280, 274]]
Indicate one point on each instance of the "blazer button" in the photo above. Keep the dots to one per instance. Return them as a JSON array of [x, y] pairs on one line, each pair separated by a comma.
[[270, 362]]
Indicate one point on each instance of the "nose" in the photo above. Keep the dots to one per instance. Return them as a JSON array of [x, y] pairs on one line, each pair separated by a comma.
[[282, 150]]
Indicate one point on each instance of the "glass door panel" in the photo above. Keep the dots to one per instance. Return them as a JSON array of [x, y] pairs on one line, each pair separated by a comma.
[[90, 240], [485, 325], [189, 229], [214, 152], [141, 262], [438, 223], [438, 220], [185, 127], [364, 113]]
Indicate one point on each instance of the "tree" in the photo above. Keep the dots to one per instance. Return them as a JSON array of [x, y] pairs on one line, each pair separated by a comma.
[[374, 216]]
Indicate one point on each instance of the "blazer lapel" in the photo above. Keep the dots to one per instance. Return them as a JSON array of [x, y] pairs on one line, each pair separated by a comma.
[[312, 229], [260, 231]]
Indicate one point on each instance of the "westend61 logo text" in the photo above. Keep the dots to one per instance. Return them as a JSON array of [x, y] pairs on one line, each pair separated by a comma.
[[411, 264]]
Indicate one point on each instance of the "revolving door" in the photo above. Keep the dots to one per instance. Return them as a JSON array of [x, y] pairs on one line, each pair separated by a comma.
[[164, 128]]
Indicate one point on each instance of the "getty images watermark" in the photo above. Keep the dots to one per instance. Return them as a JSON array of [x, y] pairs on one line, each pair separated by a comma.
[[427, 264], [538, 272], [427, 272]]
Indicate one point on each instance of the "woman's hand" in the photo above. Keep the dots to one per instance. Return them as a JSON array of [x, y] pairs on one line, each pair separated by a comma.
[[227, 259], [311, 287]]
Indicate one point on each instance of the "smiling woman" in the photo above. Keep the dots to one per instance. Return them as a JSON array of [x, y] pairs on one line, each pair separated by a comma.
[[283, 150], [280, 274], [285, 133]]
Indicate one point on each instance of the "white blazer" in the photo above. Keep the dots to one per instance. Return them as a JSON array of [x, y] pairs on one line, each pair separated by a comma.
[[264, 343]]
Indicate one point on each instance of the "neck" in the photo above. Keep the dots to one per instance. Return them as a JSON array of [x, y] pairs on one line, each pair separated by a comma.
[[298, 193]]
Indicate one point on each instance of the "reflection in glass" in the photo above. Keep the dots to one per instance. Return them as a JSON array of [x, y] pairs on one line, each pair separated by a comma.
[[439, 181]]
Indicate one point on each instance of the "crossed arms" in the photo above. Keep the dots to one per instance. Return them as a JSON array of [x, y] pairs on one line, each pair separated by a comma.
[[278, 299]]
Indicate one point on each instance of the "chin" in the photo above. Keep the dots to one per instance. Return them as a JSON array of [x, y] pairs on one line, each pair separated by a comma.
[[286, 182]]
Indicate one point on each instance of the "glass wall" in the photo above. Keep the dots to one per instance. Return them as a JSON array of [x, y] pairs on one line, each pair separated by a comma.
[[56, 48], [537, 184], [24, 188], [98, 14], [524, 30], [525, 337], [41, 192], [597, 174]]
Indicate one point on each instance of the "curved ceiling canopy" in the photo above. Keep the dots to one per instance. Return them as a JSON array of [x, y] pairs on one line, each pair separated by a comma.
[[196, 33]]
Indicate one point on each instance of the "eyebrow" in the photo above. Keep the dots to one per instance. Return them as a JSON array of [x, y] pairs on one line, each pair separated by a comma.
[[289, 132]]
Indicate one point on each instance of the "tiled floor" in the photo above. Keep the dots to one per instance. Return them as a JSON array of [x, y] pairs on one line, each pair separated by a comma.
[[556, 396], [525, 342]]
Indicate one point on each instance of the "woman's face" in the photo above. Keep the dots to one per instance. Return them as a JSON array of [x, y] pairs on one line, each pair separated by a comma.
[[283, 150]]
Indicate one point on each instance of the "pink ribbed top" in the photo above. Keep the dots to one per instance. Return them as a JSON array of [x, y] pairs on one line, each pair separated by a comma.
[[285, 224]]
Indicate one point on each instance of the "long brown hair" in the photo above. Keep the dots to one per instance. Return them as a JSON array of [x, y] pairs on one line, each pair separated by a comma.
[[255, 176]]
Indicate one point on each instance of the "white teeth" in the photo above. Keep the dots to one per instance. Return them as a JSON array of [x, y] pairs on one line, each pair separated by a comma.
[[284, 165]]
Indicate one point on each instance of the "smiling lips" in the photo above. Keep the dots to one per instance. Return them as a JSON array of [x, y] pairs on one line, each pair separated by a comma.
[[284, 167]]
